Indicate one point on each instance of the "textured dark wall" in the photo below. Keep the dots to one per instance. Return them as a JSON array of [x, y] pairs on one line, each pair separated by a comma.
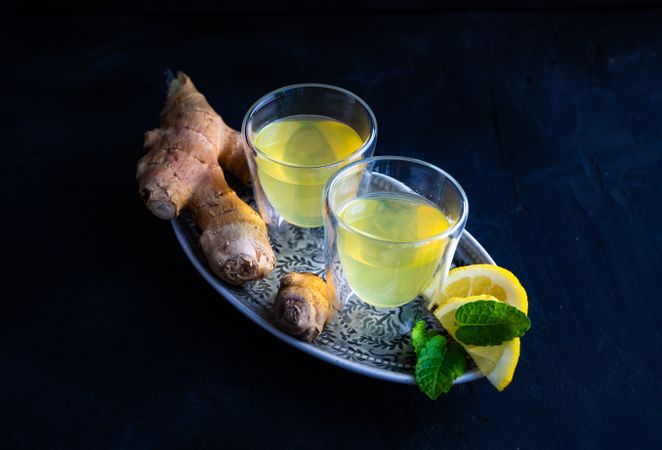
[[110, 339], [308, 6]]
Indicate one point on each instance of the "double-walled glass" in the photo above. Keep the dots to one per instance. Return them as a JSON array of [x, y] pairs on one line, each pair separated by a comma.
[[393, 192], [287, 192]]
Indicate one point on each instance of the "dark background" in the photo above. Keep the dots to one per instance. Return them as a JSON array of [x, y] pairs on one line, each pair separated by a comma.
[[548, 113]]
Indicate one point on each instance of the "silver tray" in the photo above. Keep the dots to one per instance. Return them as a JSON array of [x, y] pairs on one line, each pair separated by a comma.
[[360, 338]]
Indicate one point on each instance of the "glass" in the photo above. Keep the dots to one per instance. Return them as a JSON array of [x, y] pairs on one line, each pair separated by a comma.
[[287, 192], [392, 225]]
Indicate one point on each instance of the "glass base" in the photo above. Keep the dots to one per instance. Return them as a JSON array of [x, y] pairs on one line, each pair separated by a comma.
[[383, 323], [298, 249]]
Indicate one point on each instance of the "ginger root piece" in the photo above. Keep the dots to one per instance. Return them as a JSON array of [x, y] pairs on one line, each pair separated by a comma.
[[233, 158], [302, 305], [191, 133], [181, 170]]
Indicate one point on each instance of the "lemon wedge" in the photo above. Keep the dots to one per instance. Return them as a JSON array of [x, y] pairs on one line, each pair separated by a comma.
[[497, 362], [484, 279]]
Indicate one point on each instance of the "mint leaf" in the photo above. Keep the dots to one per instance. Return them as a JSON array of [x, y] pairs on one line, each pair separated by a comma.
[[487, 322], [437, 364], [419, 336], [428, 367], [455, 362]]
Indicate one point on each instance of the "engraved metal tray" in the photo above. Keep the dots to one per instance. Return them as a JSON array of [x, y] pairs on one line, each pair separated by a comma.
[[361, 338]]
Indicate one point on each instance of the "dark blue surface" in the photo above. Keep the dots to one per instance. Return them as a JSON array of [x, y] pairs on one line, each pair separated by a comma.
[[551, 122]]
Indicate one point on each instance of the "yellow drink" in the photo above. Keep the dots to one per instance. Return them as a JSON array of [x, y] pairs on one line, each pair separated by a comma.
[[306, 142], [383, 263]]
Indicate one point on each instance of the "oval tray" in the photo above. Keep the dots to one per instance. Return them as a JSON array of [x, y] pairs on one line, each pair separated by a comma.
[[360, 338]]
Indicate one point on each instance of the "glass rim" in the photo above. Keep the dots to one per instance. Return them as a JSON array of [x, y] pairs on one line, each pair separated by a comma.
[[444, 234], [263, 100]]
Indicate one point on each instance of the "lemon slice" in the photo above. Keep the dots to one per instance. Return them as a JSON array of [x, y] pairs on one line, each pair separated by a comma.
[[485, 279], [497, 362]]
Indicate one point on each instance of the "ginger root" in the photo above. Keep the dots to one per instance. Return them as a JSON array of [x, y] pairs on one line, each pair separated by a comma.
[[181, 170], [302, 305]]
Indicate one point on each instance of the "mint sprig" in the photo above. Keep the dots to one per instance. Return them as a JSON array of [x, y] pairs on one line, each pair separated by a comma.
[[487, 322], [419, 335], [438, 363]]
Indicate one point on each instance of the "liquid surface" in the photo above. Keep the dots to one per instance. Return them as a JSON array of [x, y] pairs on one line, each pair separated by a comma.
[[383, 264], [296, 192]]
